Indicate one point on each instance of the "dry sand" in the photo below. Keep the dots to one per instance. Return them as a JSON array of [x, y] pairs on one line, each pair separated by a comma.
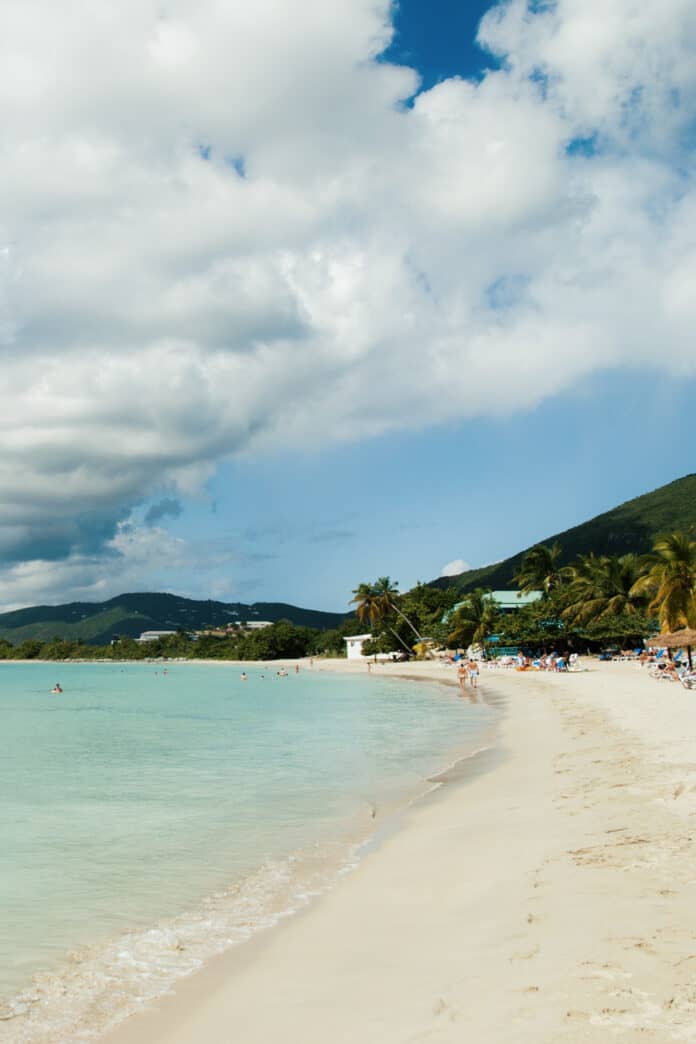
[[551, 897]]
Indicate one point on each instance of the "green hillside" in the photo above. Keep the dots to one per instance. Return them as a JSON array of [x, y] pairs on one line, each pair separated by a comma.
[[131, 614], [629, 527]]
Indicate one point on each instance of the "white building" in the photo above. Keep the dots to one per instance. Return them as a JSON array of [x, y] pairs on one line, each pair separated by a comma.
[[152, 636], [354, 646]]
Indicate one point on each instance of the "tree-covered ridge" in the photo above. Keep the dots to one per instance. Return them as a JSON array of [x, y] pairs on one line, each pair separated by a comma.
[[131, 614], [629, 528]]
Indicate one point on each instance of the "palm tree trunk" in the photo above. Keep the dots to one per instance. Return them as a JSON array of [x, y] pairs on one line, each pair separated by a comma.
[[404, 617], [400, 639]]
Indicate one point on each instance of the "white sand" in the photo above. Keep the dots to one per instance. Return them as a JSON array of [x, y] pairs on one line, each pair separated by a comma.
[[549, 898]]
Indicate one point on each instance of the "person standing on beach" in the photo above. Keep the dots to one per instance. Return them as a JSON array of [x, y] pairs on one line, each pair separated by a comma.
[[461, 676]]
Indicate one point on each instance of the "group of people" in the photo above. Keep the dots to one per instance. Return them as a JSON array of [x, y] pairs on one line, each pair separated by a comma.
[[673, 668], [552, 662], [282, 673]]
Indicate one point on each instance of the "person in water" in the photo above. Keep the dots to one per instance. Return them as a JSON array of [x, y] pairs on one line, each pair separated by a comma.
[[56, 688], [243, 676]]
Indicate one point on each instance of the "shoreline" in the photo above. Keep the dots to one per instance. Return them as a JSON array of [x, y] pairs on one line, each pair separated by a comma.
[[384, 823], [548, 899]]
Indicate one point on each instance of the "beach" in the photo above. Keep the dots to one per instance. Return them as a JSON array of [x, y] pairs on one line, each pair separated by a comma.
[[544, 892]]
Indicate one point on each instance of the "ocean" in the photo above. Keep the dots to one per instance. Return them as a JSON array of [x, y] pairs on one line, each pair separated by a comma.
[[152, 815]]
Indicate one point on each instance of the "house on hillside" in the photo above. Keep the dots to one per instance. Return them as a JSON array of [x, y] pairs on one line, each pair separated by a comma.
[[511, 601], [153, 636], [505, 601]]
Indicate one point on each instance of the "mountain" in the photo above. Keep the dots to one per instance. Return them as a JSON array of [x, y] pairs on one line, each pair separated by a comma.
[[629, 527], [130, 614]]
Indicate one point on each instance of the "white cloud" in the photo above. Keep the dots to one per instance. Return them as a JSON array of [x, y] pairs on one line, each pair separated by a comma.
[[377, 265], [455, 568], [135, 559]]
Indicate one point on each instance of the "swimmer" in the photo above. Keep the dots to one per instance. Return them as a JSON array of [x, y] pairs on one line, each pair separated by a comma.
[[56, 688], [243, 676]]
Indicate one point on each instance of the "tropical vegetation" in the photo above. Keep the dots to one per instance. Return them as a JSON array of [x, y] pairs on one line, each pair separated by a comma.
[[604, 599], [472, 620], [541, 569], [670, 581]]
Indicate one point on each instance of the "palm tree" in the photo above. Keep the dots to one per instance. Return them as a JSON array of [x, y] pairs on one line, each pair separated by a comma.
[[541, 569], [670, 579], [473, 620], [601, 587], [370, 605], [388, 591], [367, 605]]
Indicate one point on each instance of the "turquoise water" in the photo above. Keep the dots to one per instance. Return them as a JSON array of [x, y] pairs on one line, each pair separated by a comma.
[[142, 808]]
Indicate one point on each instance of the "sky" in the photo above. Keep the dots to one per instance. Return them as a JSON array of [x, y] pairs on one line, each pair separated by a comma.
[[295, 297]]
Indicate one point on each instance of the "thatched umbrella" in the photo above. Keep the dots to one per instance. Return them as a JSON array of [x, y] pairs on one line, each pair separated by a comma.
[[676, 640]]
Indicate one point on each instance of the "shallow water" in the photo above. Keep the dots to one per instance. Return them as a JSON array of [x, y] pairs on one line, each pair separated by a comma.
[[149, 819]]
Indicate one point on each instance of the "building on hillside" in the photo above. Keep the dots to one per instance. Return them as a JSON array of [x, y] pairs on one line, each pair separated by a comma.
[[354, 646], [511, 601], [231, 629], [505, 601], [153, 636]]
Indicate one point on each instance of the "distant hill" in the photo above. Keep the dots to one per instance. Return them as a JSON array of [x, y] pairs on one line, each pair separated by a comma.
[[630, 527], [131, 614]]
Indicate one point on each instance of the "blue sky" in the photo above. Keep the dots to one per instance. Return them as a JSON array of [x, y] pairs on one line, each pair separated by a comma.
[[336, 291], [439, 39], [315, 525]]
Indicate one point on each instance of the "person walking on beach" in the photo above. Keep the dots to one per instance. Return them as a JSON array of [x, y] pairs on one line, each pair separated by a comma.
[[461, 676], [472, 670]]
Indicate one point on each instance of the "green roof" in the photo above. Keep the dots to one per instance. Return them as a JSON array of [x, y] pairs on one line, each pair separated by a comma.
[[515, 599], [503, 600]]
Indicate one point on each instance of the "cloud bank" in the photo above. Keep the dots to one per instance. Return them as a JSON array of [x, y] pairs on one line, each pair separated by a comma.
[[222, 232]]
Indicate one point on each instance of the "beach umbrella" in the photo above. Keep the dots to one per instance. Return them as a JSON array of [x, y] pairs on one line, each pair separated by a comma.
[[676, 640]]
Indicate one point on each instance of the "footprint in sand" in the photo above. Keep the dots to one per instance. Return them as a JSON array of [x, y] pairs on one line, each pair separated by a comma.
[[528, 956], [441, 1007]]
